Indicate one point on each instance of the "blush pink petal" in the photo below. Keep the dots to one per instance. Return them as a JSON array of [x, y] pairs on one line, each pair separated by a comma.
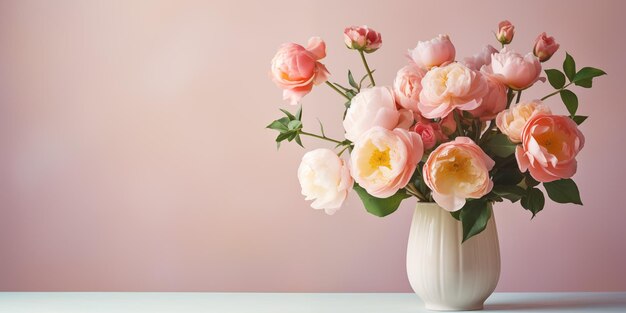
[[317, 47]]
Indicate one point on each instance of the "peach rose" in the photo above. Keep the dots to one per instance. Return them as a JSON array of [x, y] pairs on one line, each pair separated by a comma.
[[435, 52], [383, 160], [511, 122], [506, 30], [408, 85], [450, 87], [325, 179], [431, 134], [296, 69], [374, 106], [545, 47], [549, 147], [482, 58], [493, 102], [362, 38], [514, 70], [458, 170]]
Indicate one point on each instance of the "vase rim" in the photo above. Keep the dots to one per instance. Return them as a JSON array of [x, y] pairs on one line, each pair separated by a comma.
[[427, 204]]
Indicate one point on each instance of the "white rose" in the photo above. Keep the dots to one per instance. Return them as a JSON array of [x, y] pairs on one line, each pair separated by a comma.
[[324, 178]]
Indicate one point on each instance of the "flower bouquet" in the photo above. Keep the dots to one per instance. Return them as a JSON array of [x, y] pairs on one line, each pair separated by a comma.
[[453, 132]]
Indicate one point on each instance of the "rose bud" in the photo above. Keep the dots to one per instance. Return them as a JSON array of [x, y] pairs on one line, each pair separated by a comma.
[[506, 30], [545, 47], [362, 38]]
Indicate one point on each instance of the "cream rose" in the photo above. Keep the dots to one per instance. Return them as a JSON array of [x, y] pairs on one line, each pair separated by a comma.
[[383, 160], [324, 178], [458, 170], [450, 87], [511, 122]]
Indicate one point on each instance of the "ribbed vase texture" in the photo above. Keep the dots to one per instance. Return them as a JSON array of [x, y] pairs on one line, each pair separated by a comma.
[[445, 273]]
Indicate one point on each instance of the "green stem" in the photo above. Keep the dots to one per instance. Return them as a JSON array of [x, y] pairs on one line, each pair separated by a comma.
[[321, 137], [342, 150], [337, 90], [554, 93], [412, 190], [369, 72], [519, 95], [457, 119], [509, 97]]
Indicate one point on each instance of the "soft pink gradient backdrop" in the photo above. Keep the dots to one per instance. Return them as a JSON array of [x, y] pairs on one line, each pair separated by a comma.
[[133, 154]]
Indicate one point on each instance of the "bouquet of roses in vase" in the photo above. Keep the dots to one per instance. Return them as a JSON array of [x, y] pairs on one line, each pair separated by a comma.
[[457, 133]]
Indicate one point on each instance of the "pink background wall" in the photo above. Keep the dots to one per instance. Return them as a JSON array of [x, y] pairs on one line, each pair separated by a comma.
[[133, 154]]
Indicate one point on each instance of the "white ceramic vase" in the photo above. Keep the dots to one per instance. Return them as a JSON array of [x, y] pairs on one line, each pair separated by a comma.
[[446, 274]]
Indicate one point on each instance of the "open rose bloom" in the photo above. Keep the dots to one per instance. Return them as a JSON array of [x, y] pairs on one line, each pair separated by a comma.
[[461, 132], [549, 147], [295, 69]]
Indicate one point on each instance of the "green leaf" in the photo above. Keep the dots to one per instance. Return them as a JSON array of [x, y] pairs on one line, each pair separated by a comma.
[[299, 113], [500, 145], [571, 101], [377, 206], [569, 67], [556, 78], [563, 191], [511, 192], [294, 125], [474, 217], [351, 81], [585, 83], [587, 73], [529, 180], [579, 119], [299, 141], [533, 201], [282, 137], [289, 115], [508, 176], [456, 215], [277, 125]]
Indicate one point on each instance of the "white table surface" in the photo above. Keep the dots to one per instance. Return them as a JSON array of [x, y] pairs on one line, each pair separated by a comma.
[[187, 302]]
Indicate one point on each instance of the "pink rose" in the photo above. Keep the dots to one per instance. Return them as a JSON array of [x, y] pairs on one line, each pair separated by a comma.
[[458, 170], [493, 102], [482, 58], [549, 147], [506, 30], [431, 134], [383, 160], [545, 47], [324, 178], [450, 87], [435, 52], [511, 122], [408, 85], [514, 70], [374, 106], [296, 69], [362, 38]]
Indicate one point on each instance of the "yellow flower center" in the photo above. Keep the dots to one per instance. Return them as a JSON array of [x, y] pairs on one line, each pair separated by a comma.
[[460, 168], [380, 158], [552, 141]]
